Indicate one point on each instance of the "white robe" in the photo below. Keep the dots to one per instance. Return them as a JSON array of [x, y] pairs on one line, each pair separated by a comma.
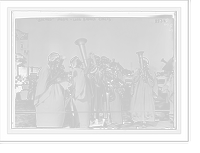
[[142, 103], [49, 103], [82, 98]]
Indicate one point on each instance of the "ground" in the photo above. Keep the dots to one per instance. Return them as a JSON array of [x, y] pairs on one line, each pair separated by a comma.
[[162, 119]]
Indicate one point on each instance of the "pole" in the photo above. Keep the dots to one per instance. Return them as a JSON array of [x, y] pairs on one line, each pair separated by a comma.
[[131, 66], [17, 70], [28, 60], [27, 64]]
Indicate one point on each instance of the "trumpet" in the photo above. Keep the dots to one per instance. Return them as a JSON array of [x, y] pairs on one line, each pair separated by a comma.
[[143, 65], [81, 43]]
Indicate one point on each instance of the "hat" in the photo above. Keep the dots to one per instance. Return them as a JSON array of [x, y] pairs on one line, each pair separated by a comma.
[[62, 57], [53, 56]]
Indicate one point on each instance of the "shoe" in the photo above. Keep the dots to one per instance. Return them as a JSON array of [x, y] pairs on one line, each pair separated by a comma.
[[143, 126], [96, 122], [105, 124]]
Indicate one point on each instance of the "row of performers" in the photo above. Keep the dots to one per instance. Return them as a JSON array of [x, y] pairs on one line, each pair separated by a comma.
[[84, 96]]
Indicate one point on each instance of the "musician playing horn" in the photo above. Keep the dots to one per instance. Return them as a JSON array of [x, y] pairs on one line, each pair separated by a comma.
[[142, 103], [116, 104], [83, 94], [99, 102]]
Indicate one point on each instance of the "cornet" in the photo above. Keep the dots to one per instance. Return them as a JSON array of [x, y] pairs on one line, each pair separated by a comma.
[[144, 75]]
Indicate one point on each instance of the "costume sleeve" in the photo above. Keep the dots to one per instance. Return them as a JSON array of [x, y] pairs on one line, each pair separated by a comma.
[[41, 83], [153, 81]]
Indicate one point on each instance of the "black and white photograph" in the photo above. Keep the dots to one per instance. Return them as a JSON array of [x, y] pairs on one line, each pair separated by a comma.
[[95, 71]]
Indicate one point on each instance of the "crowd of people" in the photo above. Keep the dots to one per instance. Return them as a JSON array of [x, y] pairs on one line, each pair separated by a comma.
[[20, 81], [96, 94]]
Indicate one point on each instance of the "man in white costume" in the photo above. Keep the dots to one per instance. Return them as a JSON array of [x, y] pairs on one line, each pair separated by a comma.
[[83, 94], [49, 98], [142, 103]]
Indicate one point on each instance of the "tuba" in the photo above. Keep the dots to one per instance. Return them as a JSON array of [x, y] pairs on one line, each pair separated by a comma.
[[81, 43], [142, 61]]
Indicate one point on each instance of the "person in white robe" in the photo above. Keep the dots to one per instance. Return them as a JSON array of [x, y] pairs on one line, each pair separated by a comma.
[[99, 102], [49, 98], [83, 94], [143, 94], [169, 89]]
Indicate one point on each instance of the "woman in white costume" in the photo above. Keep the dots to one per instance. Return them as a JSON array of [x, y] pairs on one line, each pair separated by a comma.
[[49, 99], [83, 94], [142, 104]]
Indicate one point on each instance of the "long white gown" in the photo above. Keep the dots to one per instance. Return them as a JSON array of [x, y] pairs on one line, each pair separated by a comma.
[[142, 104], [49, 102], [82, 98]]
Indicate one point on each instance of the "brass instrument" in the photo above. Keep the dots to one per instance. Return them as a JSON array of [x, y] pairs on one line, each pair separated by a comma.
[[143, 66], [81, 43], [95, 66], [91, 67]]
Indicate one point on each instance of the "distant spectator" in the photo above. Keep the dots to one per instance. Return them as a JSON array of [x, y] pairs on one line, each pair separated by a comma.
[[18, 87]]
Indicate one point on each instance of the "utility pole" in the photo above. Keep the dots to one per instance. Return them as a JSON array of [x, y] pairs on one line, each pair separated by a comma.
[[131, 66], [27, 63]]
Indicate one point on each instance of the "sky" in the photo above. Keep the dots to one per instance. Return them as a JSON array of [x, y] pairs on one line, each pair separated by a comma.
[[117, 38]]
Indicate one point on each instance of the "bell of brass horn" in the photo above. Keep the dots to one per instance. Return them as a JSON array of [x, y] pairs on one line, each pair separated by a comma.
[[81, 43]]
